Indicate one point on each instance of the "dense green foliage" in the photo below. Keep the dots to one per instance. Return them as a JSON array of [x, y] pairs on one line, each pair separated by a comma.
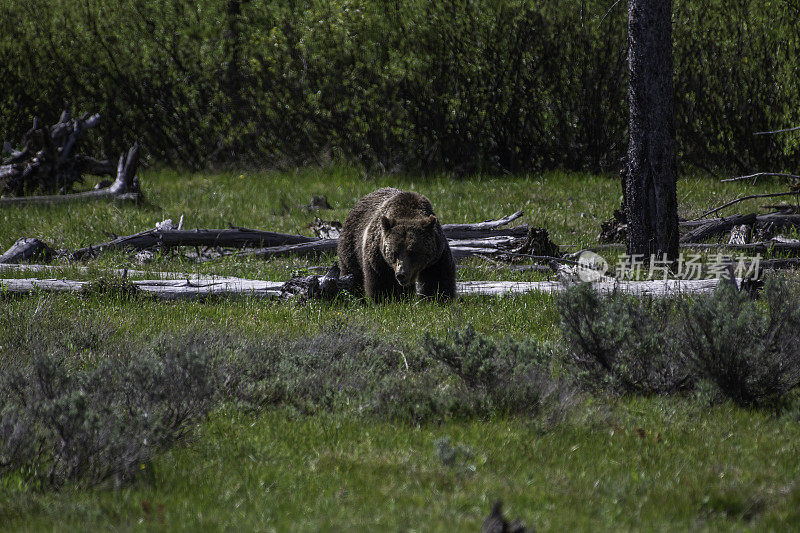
[[463, 85]]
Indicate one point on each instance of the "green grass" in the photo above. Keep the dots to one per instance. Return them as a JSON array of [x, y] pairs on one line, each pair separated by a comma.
[[696, 467], [570, 206], [664, 465]]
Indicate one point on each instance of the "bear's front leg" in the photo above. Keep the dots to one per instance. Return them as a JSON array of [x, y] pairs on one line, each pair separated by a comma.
[[380, 285], [439, 279]]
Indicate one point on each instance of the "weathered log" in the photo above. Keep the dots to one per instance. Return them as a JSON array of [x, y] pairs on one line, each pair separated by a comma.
[[788, 245], [183, 289], [318, 287], [281, 244], [759, 174], [25, 249], [749, 197], [487, 242], [779, 219], [696, 223], [315, 247], [777, 131], [162, 289], [703, 229], [721, 225], [119, 272], [516, 231], [90, 165], [478, 226], [233, 237]]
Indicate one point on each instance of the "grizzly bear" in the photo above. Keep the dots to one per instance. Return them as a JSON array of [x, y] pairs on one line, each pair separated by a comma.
[[390, 241]]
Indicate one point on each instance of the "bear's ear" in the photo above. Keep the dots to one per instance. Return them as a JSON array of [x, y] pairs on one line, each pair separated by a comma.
[[386, 223], [430, 221]]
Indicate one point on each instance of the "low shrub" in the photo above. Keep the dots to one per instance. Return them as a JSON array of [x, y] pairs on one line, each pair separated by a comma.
[[749, 349], [504, 376], [622, 343], [311, 373], [58, 424], [345, 369]]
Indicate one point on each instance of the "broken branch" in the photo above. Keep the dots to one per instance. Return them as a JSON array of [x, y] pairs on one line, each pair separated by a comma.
[[759, 174], [749, 197]]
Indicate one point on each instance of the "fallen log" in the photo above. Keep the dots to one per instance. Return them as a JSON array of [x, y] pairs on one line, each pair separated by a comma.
[[188, 289], [466, 234], [242, 237], [316, 247], [119, 272], [684, 224], [776, 131], [703, 229], [788, 245], [479, 226], [162, 289], [716, 227], [167, 238], [26, 249], [759, 174], [660, 288], [275, 244]]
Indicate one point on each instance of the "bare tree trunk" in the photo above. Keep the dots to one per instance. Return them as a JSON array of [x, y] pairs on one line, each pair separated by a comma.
[[650, 190]]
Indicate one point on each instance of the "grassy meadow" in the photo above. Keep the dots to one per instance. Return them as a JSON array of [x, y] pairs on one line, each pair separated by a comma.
[[612, 462]]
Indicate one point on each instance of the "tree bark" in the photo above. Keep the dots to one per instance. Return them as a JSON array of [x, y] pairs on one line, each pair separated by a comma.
[[650, 187]]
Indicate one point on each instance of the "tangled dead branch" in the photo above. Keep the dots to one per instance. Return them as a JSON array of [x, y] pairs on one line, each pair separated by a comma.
[[49, 162]]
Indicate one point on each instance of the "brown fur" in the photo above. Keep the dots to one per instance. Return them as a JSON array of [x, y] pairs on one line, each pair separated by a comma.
[[390, 240]]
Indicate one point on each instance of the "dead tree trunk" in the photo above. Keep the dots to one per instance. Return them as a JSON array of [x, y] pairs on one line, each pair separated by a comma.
[[49, 162], [650, 189], [124, 188]]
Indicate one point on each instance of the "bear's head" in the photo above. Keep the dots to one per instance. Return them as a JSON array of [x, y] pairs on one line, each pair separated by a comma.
[[409, 245]]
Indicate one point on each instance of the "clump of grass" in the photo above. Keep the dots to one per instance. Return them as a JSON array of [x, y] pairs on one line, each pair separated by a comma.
[[29, 331], [456, 456], [111, 285]]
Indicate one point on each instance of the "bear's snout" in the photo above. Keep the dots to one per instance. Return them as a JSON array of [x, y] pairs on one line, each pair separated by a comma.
[[403, 277]]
